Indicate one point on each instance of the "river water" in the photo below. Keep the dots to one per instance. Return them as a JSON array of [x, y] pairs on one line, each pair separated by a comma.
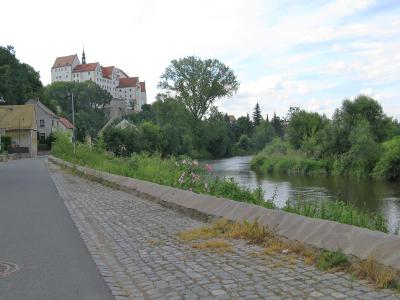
[[373, 195]]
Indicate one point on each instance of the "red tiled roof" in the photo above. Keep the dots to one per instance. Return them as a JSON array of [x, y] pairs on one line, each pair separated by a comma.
[[64, 61], [107, 71], [85, 67], [128, 82], [143, 87], [66, 123]]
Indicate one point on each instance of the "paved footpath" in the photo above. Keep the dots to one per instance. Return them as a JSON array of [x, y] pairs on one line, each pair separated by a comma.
[[38, 235], [134, 244]]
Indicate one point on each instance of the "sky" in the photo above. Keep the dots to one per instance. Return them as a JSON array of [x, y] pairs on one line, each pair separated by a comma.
[[311, 53]]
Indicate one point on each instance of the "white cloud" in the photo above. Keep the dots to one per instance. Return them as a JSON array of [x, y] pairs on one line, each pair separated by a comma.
[[283, 53]]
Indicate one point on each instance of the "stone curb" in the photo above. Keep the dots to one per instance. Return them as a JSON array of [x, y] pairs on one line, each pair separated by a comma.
[[359, 242]]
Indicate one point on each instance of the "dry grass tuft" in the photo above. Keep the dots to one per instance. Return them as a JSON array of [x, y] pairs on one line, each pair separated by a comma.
[[381, 275], [219, 246], [253, 232], [156, 242], [211, 237]]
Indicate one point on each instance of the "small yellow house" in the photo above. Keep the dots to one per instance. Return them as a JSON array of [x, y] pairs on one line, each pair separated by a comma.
[[19, 123]]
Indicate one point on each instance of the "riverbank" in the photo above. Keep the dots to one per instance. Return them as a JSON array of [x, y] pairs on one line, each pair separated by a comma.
[[291, 164], [183, 173]]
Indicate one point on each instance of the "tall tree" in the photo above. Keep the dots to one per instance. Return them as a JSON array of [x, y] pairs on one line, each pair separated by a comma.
[[277, 124], [257, 118], [89, 103], [198, 83], [18, 81]]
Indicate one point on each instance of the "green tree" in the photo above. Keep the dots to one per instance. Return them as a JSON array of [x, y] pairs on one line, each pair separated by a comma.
[[352, 112], [303, 125], [245, 126], [389, 164], [244, 143], [89, 103], [363, 154], [263, 134], [152, 137], [18, 81], [278, 125], [216, 137], [257, 118], [198, 83]]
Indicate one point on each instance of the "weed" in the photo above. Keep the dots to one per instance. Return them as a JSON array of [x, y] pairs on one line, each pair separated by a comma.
[[219, 246], [337, 211], [332, 259], [381, 275]]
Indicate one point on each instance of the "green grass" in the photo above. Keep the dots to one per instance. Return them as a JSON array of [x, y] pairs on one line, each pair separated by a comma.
[[291, 163], [332, 259], [338, 211], [179, 172]]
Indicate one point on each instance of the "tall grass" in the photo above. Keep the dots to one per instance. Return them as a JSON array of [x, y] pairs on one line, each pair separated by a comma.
[[338, 211], [179, 172]]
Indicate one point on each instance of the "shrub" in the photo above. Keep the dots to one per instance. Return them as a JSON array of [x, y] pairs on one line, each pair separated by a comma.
[[389, 164], [277, 146], [244, 142]]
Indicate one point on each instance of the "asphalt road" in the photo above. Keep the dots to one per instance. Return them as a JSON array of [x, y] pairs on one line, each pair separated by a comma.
[[37, 234]]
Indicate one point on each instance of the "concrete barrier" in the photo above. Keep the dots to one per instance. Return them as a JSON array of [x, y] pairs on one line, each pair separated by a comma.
[[354, 241]]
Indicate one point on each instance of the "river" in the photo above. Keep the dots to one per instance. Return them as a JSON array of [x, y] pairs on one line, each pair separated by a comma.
[[373, 195]]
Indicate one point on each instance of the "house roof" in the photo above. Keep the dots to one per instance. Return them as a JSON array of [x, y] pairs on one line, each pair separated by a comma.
[[64, 61], [122, 72], [143, 87], [42, 106], [128, 82], [85, 67], [107, 71], [14, 117], [66, 123]]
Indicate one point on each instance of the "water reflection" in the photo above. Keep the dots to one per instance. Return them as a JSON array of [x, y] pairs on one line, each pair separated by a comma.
[[369, 194]]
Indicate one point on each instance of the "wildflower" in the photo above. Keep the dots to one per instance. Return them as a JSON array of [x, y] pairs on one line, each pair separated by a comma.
[[182, 178], [208, 168]]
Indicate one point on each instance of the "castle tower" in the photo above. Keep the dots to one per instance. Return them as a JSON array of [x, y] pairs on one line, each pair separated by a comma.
[[83, 57]]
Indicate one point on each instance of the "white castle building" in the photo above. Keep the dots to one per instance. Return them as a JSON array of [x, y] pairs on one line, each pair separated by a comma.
[[124, 89]]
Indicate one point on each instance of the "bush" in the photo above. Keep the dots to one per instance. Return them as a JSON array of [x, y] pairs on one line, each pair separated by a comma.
[[389, 164], [293, 163], [277, 146], [244, 142]]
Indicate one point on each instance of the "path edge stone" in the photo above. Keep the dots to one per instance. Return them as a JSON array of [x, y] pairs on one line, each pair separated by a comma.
[[354, 241]]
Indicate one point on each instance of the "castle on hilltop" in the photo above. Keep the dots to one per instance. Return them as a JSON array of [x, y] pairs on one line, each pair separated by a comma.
[[128, 93]]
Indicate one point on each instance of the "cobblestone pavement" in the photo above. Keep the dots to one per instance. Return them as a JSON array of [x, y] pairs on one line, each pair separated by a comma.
[[134, 244]]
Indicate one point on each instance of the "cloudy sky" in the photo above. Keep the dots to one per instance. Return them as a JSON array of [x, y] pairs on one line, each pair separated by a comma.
[[309, 53]]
